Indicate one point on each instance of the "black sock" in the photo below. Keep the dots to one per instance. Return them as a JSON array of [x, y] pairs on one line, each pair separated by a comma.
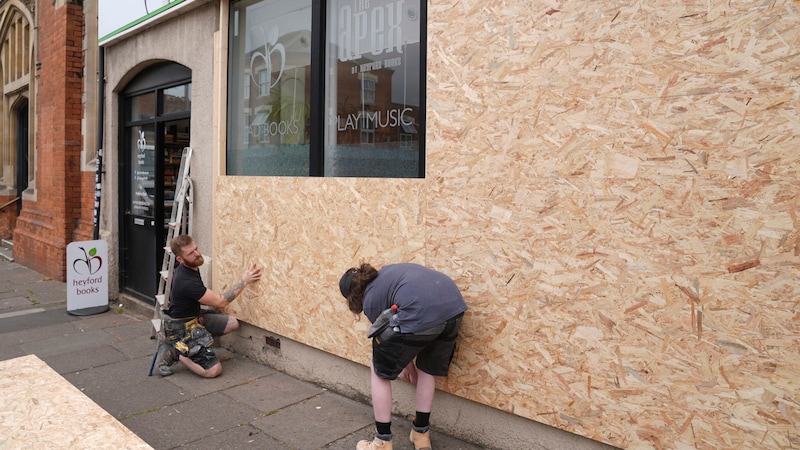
[[384, 427], [422, 420]]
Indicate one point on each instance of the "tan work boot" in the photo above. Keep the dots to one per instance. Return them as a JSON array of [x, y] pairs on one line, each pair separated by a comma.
[[421, 441], [375, 444]]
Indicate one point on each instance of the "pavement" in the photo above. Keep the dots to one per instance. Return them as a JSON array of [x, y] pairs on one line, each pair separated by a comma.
[[107, 356]]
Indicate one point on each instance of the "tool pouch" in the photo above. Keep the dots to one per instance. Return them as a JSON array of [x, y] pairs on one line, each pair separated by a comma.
[[174, 330], [195, 338]]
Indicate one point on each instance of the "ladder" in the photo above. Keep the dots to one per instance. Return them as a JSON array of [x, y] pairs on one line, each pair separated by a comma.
[[180, 223]]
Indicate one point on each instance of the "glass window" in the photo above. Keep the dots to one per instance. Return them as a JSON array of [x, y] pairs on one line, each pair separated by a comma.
[[143, 171], [368, 90], [268, 133], [177, 99], [373, 88], [346, 102], [143, 107]]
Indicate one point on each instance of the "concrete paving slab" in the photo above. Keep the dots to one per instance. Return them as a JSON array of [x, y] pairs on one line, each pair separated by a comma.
[[137, 347], [10, 351], [47, 292], [139, 398], [13, 302], [349, 441], [111, 319], [83, 360], [273, 392], [14, 341], [9, 289], [242, 437], [132, 330], [67, 343], [235, 371], [326, 417], [112, 376], [179, 424], [46, 318], [21, 276], [28, 335]]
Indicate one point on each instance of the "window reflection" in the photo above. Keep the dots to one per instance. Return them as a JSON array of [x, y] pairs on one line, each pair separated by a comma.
[[369, 65], [268, 132], [178, 99], [374, 98], [143, 107]]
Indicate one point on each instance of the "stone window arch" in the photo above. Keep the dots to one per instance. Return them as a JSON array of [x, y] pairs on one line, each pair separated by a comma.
[[16, 66]]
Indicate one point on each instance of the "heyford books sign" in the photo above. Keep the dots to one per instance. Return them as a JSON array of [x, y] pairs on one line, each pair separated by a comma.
[[87, 277]]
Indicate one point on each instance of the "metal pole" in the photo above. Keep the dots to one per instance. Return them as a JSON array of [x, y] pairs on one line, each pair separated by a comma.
[[98, 176]]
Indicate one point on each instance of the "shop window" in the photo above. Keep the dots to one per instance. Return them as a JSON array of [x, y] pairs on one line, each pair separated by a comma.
[[263, 83], [340, 88], [368, 90], [368, 128]]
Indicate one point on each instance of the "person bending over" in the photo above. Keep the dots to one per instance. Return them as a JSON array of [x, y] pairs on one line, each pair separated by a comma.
[[188, 327], [414, 341]]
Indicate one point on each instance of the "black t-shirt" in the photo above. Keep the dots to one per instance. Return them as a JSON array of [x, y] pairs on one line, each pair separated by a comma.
[[187, 289]]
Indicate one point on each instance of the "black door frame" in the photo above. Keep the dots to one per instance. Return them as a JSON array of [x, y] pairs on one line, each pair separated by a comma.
[[154, 79]]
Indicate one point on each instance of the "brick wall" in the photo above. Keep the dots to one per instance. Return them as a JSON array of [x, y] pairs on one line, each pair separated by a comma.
[[8, 217], [64, 193]]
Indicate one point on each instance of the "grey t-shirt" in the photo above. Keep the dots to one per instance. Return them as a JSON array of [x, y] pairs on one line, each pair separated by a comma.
[[424, 297]]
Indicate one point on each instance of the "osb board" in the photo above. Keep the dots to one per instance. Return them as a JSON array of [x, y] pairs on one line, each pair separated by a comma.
[[304, 233], [40, 409], [614, 185]]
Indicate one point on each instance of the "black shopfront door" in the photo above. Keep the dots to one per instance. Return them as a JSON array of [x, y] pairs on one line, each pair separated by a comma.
[[156, 118]]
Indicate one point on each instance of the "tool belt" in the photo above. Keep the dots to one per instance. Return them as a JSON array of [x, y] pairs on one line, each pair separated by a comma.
[[186, 335]]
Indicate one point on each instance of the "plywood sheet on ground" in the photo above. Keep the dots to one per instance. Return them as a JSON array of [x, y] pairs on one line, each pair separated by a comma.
[[40, 409]]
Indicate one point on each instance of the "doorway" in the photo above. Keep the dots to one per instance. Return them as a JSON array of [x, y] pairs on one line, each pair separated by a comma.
[[156, 117], [22, 152]]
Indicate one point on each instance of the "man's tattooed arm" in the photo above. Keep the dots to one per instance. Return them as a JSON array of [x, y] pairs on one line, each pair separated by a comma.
[[230, 294]]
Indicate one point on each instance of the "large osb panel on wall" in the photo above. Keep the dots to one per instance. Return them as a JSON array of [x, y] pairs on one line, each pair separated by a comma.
[[615, 185], [304, 233]]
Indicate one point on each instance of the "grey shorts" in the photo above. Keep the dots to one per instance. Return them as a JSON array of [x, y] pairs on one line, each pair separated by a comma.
[[214, 322], [392, 351]]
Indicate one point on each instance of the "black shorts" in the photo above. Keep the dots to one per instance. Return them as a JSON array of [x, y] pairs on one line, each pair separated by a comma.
[[205, 358], [215, 324], [392, 351]]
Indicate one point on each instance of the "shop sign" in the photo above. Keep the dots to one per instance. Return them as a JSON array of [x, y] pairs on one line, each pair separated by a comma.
[[87, 277], [371, 28]]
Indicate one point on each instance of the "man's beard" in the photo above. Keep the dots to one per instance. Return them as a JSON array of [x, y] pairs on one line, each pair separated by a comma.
[[194, 264]]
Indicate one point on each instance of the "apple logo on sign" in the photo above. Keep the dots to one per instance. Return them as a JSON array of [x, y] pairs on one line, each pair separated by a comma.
[[90, 264]]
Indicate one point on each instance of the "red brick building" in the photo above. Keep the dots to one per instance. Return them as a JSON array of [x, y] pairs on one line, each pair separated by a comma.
[[48, 152]]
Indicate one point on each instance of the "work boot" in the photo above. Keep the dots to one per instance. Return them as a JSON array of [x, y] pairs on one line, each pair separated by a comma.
[[420, 437], [167, 356], [377, 443]]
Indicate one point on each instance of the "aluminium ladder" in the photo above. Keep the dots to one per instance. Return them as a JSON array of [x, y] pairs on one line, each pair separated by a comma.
[[180, 223]]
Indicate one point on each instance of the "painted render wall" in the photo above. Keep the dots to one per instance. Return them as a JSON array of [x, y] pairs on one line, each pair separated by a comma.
[[613, 185], [187, 39]]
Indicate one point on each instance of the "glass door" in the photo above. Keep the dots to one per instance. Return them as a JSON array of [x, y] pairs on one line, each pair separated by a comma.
[[156, 131], [140, 213]]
